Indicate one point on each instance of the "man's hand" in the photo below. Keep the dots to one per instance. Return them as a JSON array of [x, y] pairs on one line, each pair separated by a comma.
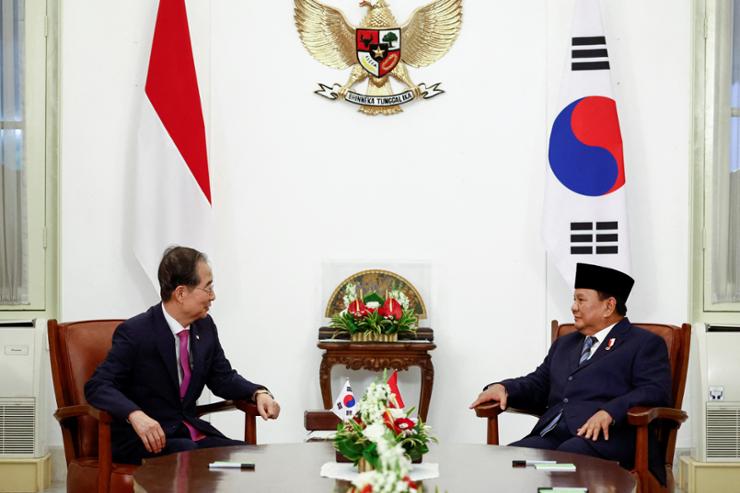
[[597, 423], [495, 392], [267, 406], [148, 430]]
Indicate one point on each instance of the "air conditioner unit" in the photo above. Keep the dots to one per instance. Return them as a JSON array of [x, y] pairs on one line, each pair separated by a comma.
[[24, 411], [718, 404]]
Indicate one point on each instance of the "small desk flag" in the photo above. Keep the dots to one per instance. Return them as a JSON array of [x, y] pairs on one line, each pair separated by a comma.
[[585, 210], [393, 383], [345, 406]]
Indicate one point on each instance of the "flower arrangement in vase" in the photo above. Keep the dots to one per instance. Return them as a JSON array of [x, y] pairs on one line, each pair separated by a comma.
[[382, 440], [374, 318]]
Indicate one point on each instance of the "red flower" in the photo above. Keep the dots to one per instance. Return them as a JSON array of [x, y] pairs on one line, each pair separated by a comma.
[[367, 489], [411, 484], [391, 309], [402, 424], [358, 309], [398, 425]]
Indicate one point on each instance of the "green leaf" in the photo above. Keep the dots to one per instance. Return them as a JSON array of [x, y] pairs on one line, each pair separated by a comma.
[[373, 296]]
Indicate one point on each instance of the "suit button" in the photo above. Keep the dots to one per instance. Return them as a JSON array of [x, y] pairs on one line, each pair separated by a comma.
[[570, 378], [565, 400]]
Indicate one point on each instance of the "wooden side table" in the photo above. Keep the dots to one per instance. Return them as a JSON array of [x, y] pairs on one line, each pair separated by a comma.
[[377, 356]]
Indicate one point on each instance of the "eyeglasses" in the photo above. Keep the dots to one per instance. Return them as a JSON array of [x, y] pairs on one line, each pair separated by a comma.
[[208, 289]]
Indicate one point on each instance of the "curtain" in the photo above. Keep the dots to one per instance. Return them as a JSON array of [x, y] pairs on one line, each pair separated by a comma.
[[13, 221]]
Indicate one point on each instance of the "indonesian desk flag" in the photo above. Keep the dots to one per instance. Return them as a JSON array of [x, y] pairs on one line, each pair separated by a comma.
[[393, 384], [585, 212], [172, 191], [345, 406]]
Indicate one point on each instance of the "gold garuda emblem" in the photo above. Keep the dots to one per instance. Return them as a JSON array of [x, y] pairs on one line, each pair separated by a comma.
[[378, 49]]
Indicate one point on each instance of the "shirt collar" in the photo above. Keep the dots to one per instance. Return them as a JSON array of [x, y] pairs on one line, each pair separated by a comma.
[[601, 335], [174, 325]]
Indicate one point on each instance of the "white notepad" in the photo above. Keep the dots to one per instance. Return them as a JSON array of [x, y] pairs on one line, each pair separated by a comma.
[[565, 467]]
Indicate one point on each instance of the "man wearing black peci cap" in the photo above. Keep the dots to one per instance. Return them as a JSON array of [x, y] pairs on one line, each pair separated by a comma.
[[590, 378]]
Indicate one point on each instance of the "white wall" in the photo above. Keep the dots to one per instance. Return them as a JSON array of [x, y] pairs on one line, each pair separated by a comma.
[[457, 182]]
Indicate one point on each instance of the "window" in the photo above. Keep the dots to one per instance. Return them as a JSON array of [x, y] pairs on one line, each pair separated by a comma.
[[23, 265]]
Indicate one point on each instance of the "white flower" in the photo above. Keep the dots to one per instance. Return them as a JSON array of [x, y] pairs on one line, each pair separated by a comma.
[[372, 304], [374, 432], [399, 296], [350, 294], [374, 402]]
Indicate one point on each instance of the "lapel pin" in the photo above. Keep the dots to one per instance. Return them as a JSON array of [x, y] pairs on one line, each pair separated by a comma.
[[198, 337], [610, 344]]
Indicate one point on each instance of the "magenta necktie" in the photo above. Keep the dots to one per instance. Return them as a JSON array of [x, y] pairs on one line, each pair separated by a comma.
[[184, 335]]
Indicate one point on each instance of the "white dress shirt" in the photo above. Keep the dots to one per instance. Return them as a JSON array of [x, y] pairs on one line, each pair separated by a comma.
[[176, 328]]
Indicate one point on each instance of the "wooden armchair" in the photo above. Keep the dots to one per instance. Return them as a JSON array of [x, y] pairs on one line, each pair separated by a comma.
[[664, 420], [76, 349]]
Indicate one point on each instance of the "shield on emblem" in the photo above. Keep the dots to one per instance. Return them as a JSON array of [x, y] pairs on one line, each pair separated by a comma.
[[378, 50]]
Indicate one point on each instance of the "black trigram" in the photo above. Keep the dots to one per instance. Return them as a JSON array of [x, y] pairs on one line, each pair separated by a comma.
[[589, 53], [583, 238]]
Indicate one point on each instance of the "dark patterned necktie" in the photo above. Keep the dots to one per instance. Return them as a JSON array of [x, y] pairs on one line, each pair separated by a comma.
[[586, 352]]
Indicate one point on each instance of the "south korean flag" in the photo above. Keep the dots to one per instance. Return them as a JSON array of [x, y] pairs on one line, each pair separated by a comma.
[[345, 406], [585, 210]]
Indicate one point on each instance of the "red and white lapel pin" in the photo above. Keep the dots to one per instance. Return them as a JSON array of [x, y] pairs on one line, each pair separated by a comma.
[[610, 344]]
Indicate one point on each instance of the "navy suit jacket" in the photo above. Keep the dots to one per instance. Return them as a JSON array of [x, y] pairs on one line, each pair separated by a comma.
[[140, 372], [634, 371]]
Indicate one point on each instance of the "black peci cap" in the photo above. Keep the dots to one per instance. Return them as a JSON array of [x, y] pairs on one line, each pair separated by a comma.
[[604, 279]]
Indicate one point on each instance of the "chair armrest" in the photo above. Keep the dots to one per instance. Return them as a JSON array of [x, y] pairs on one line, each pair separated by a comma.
[[249, 408], [104, 444], [250, 414], [320, 420], [643, 416], [493, 409], [64, 413], [488, 410]]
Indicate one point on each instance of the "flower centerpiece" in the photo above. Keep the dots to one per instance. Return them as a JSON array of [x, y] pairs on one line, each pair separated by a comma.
[[374, 318], [382, 440]]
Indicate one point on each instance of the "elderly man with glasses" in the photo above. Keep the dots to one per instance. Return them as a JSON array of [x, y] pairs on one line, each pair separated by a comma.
[[159, 363]]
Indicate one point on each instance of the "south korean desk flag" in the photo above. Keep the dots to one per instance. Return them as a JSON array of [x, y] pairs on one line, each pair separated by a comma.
[[345, 406], [585, 212]]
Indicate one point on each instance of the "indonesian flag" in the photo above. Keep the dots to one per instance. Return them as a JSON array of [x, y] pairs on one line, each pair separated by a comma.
[[345, 406], [393, 384], [585, 216], [172, 192]]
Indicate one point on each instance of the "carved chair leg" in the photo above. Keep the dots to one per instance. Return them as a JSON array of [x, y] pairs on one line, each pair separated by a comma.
[[250, 429], [493, 430], [105, 465]]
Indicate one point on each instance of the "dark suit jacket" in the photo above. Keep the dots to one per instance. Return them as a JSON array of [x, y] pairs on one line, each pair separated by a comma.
[[635, 371], [140, 372]]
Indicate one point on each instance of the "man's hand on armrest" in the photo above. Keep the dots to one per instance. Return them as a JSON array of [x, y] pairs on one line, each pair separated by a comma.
[[599, 422], [149, 431], [266, 405], [495, 393]]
